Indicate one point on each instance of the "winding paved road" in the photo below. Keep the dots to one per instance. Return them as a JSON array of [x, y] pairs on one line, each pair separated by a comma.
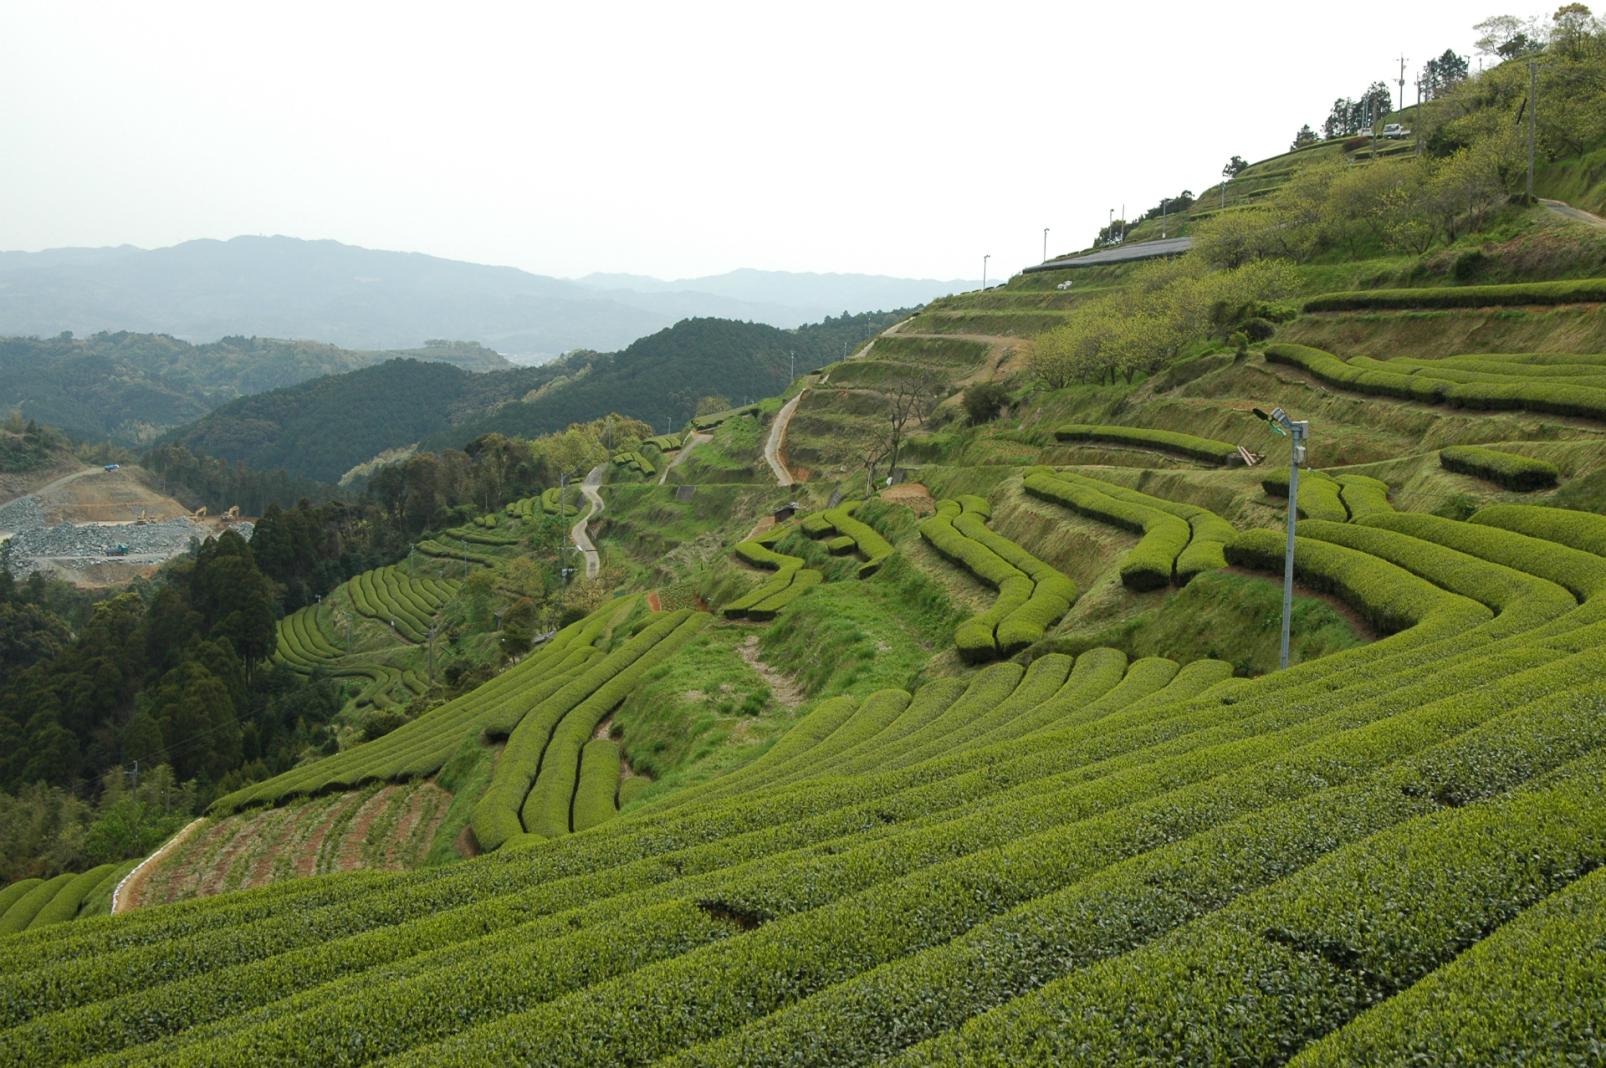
[[777, 438], [580, 534]]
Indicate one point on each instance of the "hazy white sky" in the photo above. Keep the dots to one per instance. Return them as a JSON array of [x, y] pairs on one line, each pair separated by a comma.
[[673, 139]]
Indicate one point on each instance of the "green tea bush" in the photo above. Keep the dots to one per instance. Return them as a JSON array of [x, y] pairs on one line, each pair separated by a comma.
[[1204, 450], [1576, 291], [1579, 530], [1152, 562], [1508, 469], [597, 787], [1320, 495]]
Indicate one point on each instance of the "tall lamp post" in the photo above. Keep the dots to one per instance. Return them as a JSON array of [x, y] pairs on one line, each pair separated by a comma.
[[1297, 430], [1045, 244], [984, 260]]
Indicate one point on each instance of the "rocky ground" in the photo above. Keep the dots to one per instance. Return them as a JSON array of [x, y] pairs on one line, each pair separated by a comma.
[[85, 552]]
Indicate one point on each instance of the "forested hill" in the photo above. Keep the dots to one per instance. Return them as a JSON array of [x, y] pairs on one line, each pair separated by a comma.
[[660, 378], [129, 387], [323, 428]]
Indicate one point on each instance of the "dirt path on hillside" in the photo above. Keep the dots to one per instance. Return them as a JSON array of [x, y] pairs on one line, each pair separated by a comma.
[[581, 534], [1567, 211], [782, 687], [777, 440], [692, 441], [126, 895]]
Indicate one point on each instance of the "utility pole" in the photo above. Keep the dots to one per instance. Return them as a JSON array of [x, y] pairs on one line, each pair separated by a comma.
[[1123, 224], [1533, 109], [1418, 122], [1045, 244], [793, 355], [1402, 81], [984, 260]]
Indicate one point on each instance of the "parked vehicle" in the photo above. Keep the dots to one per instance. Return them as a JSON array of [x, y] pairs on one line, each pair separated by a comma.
[[1394, 131]]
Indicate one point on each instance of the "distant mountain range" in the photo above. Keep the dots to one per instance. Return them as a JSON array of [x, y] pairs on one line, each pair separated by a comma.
[[365, 299]]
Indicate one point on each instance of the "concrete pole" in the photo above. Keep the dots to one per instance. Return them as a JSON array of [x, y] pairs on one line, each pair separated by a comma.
[[1295, 456]]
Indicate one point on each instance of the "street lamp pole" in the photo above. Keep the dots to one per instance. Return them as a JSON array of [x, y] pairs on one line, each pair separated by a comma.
[[1045, 244], [984, 260], [1297, 430]]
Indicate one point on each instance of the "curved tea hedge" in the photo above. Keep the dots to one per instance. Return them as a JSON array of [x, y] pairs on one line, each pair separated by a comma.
[[1578, 291], [1536, 395], [596, 790], [791, 579], [633, 460], [1205, 450], [1320, 495], [853, 535], [532, 787], [1508, 469], [1032, 594], [1156, 560]]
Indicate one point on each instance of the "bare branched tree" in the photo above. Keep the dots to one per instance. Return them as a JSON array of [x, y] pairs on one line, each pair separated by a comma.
[[911, 398]]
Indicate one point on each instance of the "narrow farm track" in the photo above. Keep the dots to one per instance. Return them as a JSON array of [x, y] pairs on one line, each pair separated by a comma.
[[777, 440], [581, 534], [1567, 211], [692, 441], [126, 896]]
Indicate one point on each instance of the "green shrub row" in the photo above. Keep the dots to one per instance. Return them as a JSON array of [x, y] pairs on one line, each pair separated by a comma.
[[633, 460], [1533, 985], [1577, 291], [524, 508], [496, 816], [596, 790], [791, 579], [1555, 398], [1032, 594], [1151, 563], [439, 550], [1320, 495], [1112, 904], [1364, 495], [802, 947], [1520, 600], [10, 893], [548, 808], [997, 703], [1258, 976], [1208, 532], [421, 746], [1388, 597], [853, 534], [1508, 469], [29, 904], [1205, 450], [1462, 373], [747, 809], [665, 442], [1583, 574], [1530, 364], [301, 643], [318, 1002], [710, 421], [65, 903], [1585, 531], [878, 712]]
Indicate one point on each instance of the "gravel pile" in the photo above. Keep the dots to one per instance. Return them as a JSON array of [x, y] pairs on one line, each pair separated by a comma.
[[147, 543], [24, 513]]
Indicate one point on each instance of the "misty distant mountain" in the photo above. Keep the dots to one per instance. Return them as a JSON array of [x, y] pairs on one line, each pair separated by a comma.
[[808, 297], [366, 299]]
